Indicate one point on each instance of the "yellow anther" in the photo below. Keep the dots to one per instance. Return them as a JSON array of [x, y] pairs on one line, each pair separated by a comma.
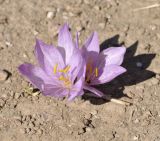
[[67, 83], [65, 80], [96, 72], [62, 78], [65, 70], [55, 68], [89, 68], [87, 79]]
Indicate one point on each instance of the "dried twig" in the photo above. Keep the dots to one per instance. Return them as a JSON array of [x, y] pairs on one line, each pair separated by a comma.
[[147, 7], [117, 101], [109, 98]]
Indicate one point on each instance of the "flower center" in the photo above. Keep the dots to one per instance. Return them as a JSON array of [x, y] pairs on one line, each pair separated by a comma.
[[90, 71], [63, 77]]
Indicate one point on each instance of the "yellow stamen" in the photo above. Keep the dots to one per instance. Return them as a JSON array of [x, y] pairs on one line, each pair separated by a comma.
[[55, 68], [87, 79], [66, 81], [89, 68], [62, 78], [96, 71], [65, 70]]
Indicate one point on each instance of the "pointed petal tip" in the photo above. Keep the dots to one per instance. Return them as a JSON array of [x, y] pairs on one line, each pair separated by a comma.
[[123, 70], [21, 68], [64, 27]]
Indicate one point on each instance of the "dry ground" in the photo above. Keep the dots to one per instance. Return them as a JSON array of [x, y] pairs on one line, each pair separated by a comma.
[[25, 117]]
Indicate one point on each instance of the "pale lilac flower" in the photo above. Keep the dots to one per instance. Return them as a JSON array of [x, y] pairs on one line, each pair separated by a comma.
[[101, 67], [61, 69]]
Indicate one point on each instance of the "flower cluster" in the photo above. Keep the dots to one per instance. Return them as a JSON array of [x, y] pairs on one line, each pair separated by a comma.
[[66, 70]]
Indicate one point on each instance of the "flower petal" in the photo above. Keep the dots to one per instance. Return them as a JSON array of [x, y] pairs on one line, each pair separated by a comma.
[[56, 91], [65, 41], [77, 89], [48, 56], [77, 65], [77, 40], [35, 75], [114, 55], [92, 44], [107, 74], [94, 90]]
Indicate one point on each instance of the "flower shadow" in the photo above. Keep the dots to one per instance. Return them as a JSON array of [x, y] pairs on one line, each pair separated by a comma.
[[136, 72]]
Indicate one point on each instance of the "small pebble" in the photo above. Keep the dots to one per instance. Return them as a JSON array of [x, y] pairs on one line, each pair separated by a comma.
[[18, 122], [18, 118], [22, 130], [96, 7], [28, 130], [35, 32], [136, 121], [50, 15], [78, 28], [86, 122], [88, 116], [81, 131], [3, 75], [17, 95], [102, 25], [139, 64], [95, 112], [88, 129], [39, 131], [135, 138], [32, 132], [154, 81], [2, 103], [31, 125], [8, 44]]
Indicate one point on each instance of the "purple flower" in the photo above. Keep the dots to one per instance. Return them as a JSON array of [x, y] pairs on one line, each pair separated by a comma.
[[61, 69], [101, 67]]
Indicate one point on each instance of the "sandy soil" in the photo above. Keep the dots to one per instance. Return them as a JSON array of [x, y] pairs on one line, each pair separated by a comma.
[[26, 115]]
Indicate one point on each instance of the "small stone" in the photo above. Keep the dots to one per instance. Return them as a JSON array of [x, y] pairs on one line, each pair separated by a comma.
[[28, 130], [102, 25], [8, 44], [17, 95], [86, 122], [95, 112], [3, 75], [71, 14], [28, 118], [153, 27], [22, 130], [2, 103], [86, 1], [88, 116], [3, 19], [81, 131], [18, 118], [35, 32], [65, 17], [32, 131], [96, 7], [50, 15], [136, 121], [39, 131], [139, 64], [88, 129], [154, 81], [31, 125], [135, 138], [23, 118], [18, 122], [79, 28]]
